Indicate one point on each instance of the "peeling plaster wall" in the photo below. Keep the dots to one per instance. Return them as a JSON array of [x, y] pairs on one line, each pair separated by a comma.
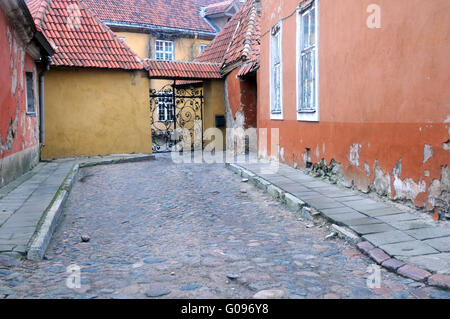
[[240, 102], [19, 132], [383, 97]]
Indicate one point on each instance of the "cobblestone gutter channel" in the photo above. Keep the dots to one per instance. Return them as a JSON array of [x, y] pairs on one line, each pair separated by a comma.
[[394, 239]]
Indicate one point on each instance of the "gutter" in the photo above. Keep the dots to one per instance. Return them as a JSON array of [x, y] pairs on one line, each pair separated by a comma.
[[42, 75], [150, 27]]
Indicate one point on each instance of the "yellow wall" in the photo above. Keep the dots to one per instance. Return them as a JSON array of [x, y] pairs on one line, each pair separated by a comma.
[[138, 42], [186, 49], [96, 112], [214, 94]]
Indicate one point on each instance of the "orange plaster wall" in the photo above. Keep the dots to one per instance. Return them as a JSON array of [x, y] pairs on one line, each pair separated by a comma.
[[387, 90], [242, 97], [14, 62]]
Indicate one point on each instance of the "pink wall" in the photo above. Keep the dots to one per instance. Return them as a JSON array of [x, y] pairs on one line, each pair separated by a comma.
[[18, 130], [384, 95]]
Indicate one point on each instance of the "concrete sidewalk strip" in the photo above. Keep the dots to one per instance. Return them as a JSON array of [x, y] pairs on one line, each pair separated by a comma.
[[30, 207], [388, 230]]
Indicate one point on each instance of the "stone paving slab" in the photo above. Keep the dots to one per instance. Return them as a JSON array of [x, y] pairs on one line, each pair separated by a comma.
[[348, 198], [397, 218], [362, 221], [428, 233], [410, 224], [389, 237], [341, 210], [382, 212], [409, 248], [439, 263], [342, 218], [442, 244], [365, 205], [371, 229]]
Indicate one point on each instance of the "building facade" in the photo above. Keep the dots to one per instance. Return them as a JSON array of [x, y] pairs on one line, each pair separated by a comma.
[[96, 90], [359, 91], [236, 49], [22, 49]]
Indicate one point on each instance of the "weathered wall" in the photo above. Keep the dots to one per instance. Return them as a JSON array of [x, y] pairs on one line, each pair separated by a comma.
[[95, 112], [383, 93], [214, 96], [143, 44], [240, 102], [19, 135]]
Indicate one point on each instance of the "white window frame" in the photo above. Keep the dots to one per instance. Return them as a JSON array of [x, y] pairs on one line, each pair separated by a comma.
[[165, 51], [278, 115], [165, 95], [203, 47], [33, 91], [307, 115]]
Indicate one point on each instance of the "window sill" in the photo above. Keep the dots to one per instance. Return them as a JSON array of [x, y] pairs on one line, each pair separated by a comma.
[[31, 114]]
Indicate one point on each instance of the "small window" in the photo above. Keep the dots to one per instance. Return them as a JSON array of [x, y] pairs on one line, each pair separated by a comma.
[[276, 108], [166, 110], [164, 50], [308, 63], [30, 93], [203, 47]]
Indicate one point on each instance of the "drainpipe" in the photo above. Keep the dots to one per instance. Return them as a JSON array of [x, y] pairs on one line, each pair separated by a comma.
[[48, 60]]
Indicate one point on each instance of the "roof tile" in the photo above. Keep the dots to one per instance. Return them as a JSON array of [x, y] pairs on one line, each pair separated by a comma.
[[86, 33], [179, 14]]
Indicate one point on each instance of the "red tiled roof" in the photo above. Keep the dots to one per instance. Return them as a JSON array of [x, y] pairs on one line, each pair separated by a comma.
[[183, 70], [216, 50], [217, 8], [178, 14], [84, 42], [246, 41], [238, 41]]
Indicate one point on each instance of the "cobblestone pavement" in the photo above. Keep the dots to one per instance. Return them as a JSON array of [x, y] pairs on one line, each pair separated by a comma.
[[191, 231]]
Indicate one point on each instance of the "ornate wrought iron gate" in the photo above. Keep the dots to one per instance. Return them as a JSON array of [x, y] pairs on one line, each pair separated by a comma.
[[174, 110]]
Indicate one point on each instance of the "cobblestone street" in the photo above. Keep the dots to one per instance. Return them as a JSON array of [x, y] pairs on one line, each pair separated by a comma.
[[158, 229]]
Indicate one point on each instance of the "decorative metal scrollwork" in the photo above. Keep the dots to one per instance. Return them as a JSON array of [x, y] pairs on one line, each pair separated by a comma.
[[171, 110]]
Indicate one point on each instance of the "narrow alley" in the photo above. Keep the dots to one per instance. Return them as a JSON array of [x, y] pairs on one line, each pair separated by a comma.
[[159, 229]]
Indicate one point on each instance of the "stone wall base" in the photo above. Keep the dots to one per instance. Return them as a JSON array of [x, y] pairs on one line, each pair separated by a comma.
[[18, 164]]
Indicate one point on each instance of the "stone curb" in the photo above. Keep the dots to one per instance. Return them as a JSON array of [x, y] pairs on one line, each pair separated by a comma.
[[118, 161], [375, 253], [47, 225]]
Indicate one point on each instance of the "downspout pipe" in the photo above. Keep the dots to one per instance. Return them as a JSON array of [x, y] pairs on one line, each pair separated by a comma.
[[42, 75]]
